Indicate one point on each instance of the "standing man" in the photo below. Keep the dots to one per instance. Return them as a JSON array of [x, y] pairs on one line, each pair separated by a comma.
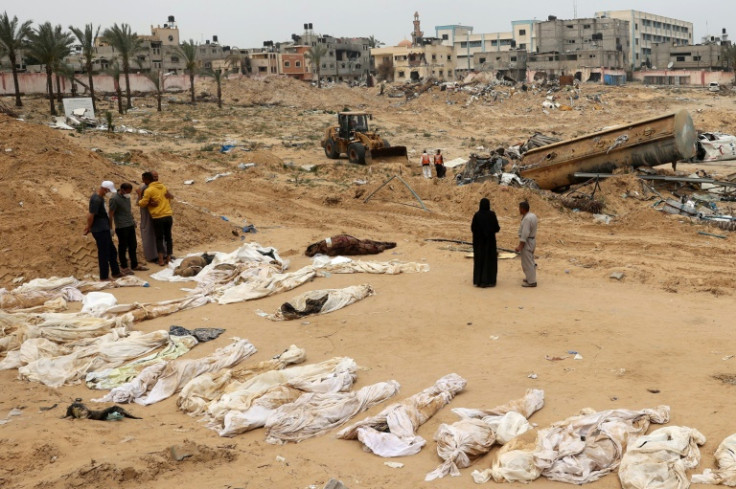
[[426, 170], [122, 218], [439, 164], [527, 244], [98, 223], [148, 237], [156, 198]]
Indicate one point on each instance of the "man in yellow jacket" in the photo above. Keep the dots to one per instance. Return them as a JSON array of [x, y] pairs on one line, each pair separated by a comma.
[[156, 198]]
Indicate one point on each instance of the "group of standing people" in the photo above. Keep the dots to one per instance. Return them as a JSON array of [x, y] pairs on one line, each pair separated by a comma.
[[154, 201], [439, 164], [485, 254]]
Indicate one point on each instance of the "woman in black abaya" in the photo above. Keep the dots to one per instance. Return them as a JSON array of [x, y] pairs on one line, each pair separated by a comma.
[[485, 257]]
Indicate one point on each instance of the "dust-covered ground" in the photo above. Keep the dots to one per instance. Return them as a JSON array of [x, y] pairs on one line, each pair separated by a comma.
[[658, 336]]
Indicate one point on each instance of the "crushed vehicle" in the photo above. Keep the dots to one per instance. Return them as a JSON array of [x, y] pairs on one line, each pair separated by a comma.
[[353, 137], [715, 146]]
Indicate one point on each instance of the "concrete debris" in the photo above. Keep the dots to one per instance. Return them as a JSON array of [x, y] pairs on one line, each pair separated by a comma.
[[335, 484], [617, 275]]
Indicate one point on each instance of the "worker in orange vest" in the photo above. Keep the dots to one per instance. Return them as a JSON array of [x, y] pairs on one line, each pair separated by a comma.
[[426, 170], [439, 164]]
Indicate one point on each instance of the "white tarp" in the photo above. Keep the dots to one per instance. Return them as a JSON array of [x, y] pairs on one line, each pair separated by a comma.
[[315, 413], [577, 450], [113, 377], [392, 432], [96, 303], [107, 351], [38, 291], [237, 410], [196, 394], [460, 443], [162, 380], [659, 460], [725, 473], [248, 254], [321, 302]]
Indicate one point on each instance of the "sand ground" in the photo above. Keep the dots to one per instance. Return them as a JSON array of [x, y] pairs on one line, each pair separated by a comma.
[[658, 336]]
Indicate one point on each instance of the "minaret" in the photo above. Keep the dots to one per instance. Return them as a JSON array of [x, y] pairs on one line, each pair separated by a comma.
[[417, 35]]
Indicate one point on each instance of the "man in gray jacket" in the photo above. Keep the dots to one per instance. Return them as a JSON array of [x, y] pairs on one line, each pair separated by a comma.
[[527, 245]]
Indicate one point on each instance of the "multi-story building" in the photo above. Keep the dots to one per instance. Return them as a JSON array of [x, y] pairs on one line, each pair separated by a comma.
[[691, 57], [506, 64], [159, 51], [579, 46], [646, 29], [347, 59], [417, 60], [467, 44]]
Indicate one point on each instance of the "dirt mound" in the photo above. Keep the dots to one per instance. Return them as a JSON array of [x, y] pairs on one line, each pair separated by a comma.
[[46, 180]]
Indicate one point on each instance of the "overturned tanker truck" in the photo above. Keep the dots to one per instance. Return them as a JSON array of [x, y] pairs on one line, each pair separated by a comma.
[[665, 139]]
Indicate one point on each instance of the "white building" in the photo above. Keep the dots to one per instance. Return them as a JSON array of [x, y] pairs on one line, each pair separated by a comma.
[[647, 29], [467, 44]]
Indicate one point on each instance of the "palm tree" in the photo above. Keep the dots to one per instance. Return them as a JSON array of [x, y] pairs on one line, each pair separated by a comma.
[[373, 42], [87, 38], [49, 45], [236, 58], [115, 72], [315, 55], [127, 43], [218, 78], [156, 78], [189, 51], [12, 38]]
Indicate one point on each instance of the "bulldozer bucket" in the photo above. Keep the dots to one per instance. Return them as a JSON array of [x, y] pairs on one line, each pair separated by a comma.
[[390, 154]]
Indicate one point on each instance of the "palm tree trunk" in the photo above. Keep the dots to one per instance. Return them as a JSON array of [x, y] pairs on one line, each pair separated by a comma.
[[191, 83], [119, 93], [126, 69], [18, 101], [91, 86], [319, 79], [58, 88], [158, 99], [50, 84], [219, 93]]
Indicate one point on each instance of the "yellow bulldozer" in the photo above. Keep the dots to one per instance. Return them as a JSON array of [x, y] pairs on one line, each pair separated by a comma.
[[353, 138]]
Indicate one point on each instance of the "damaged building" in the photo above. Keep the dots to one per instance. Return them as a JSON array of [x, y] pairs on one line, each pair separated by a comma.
[[420, 59], [646, 29], [589, 49]]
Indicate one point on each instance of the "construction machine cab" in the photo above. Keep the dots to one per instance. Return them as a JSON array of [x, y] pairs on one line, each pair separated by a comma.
[[352, 122]]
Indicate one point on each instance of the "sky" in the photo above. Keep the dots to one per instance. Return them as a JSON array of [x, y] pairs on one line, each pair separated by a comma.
[[247, 23]]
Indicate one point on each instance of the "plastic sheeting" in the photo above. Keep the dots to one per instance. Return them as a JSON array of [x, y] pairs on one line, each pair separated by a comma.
[[248, 253], [726, 460], [392, 432], [577, 450], [246, 405], [96, 303], [321, 302], [162, 380], [108, 351], [460, 443], [41, 290], [659, 460], [196, 395], [313, 414], [114, 377]]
